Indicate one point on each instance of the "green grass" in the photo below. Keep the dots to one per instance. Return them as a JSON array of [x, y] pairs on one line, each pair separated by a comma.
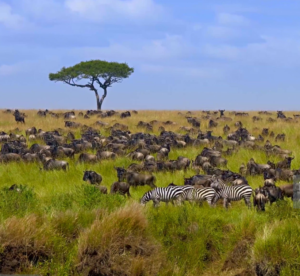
[[76, 230]]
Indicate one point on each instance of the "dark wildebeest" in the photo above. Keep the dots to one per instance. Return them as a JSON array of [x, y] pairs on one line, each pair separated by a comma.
[[53, 164], [212, 124], [204, 180], [121, 188], [285, 164], [125, 114], [135, 179], [87, 157], [280, 137], [265, 132], [226, 129], [92, 177], [280, 115], [274, 193], [287, 190], [32, 130], [72, 124], [19, 118], [260, 198]]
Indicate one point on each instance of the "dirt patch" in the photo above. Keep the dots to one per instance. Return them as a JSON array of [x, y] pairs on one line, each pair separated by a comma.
[[239, 259], [15, 258], [119, 244], [126, 260]]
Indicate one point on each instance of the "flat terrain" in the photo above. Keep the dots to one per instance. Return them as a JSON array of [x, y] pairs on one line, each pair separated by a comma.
[[60, 225]]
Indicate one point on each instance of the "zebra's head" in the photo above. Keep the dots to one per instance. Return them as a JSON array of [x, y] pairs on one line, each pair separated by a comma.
[[146, 197], [216, 184]]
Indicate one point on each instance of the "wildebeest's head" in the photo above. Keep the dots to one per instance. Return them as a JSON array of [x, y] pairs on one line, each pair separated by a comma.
[[86, 175], [187, 181], [221, 112], [121, 172]]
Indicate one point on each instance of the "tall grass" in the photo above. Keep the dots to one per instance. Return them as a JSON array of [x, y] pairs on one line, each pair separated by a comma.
[[67, 227]]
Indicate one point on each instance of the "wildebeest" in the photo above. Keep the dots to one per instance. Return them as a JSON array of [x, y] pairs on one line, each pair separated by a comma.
[[204, 180], [226, 129], [19, 117], [260, 198], [280, 115], [92, 177], [287, 190], [125, 114], [285, 164], [53, 164], [135, 179], [274, 193], [87, 158], [121, 188], [212, 124]]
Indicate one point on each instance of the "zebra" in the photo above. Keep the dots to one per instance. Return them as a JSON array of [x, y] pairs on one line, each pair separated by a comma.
[[201, 194], [174, 194], [231, 193]]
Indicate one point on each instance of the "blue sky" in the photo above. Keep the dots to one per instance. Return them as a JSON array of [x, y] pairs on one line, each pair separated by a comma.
[[231, 54]]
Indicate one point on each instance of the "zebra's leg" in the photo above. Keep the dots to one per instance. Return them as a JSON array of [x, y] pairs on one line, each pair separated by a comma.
[[225, 203], [155, 203], [248, 201], [215, 200], [209, 201]]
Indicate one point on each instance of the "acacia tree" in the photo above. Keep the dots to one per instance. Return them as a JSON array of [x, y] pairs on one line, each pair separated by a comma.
[[96, 72]]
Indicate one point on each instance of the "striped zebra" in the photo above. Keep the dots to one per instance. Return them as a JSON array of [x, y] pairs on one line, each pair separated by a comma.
[[174, 194], [201, 194], [231, 193]]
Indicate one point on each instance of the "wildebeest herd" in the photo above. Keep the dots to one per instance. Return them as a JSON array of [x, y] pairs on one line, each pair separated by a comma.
[[49, 148]]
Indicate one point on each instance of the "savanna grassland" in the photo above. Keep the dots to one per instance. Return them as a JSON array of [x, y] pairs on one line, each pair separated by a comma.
[[61, 225]]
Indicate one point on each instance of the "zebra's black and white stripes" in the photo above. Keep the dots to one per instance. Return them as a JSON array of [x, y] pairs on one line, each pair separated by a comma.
[[200, 195], [174, 194], [178, 194], [231, 193]]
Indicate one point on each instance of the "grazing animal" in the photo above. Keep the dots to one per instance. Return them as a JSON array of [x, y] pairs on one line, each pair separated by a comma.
[[201, 194], [287, 190], [285, 164], [169, 194], [53, 164], [231, 193], [19, 118], [92, 177], [121, 188], [260, 198], [274, 193], [135, 179]]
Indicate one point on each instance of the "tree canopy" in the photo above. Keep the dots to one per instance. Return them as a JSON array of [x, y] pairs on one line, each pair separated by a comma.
[[96, 72]]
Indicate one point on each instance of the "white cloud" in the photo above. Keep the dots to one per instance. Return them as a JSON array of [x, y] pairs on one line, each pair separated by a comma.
[[221, 51], [232, 19], [47, 10], [6, 70], [205, 72], [222, 32], [170, 47], [112, 10], [8, 18]]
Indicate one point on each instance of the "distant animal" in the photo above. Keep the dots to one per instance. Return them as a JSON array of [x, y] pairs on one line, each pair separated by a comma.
[[121, 188], [260, 198], [92, 177], [135, 179], [19, 118], [53, 164]]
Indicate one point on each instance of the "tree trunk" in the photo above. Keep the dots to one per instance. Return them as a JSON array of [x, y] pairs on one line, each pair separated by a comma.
[[99, 103], [97, 99]]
